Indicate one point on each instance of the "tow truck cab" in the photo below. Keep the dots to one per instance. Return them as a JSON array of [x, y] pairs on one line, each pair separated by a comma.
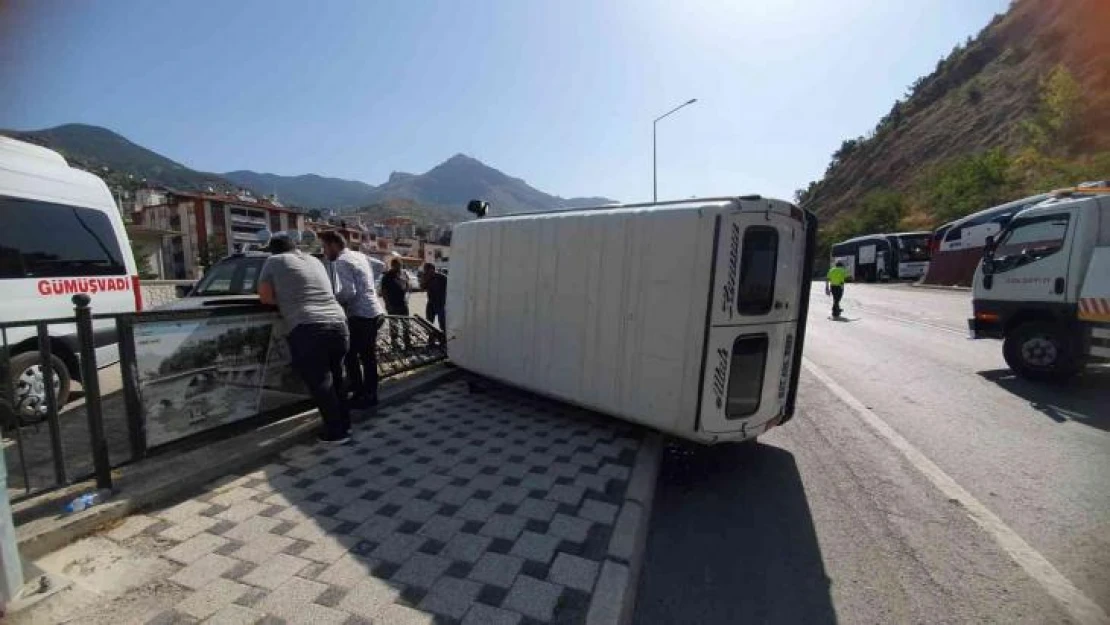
[[1043, 286]]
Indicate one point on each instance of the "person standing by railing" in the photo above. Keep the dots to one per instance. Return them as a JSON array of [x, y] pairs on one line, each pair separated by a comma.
[[298, 284], [435, 284], [395, 287], [354, 289]]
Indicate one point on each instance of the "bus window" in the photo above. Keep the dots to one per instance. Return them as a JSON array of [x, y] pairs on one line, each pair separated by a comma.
[[758, 262], [914, 249]]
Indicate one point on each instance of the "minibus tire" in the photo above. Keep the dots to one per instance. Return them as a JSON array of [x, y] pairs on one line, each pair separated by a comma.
[[21, 363], [1016, 346]]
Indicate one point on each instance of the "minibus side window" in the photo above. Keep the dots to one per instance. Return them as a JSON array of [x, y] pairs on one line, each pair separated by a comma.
[[46, 240], [758, 262], [745, 375]]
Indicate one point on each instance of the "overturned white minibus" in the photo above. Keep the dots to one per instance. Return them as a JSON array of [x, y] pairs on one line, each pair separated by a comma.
[[687, 317]]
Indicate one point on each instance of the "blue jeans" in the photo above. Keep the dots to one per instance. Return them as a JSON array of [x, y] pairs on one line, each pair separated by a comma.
[[317, 351]]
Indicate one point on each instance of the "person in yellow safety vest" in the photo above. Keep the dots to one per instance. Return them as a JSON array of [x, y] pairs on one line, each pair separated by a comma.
[[835, 286]]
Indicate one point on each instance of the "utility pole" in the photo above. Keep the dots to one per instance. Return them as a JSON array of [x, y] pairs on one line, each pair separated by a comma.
[[654, 161]]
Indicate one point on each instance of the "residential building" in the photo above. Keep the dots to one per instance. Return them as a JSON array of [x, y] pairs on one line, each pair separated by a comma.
[[438, 255], [211, 225]]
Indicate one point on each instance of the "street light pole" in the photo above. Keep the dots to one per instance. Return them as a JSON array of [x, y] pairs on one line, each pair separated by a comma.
[[654, 128]]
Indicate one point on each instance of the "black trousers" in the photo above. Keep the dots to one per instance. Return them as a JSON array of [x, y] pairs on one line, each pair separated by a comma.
[[317, 351], [362, 358], [837, 293], [434, 313]]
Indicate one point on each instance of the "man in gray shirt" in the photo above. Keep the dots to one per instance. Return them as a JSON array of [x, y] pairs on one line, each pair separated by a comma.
[[354, 288], [299, 286]]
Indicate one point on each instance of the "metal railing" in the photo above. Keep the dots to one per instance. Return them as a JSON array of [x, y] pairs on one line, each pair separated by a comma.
[[49, 443]]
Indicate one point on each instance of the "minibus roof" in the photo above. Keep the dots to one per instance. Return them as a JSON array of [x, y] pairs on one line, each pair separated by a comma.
[[34, 172]]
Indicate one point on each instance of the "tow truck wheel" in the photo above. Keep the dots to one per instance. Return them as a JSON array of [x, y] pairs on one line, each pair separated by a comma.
[[1040, 351]]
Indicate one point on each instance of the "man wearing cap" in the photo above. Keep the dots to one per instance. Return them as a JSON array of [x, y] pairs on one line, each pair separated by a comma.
[[299, 286]]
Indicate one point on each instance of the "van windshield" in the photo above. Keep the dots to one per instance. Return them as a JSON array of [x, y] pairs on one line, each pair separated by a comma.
[[46, 240]]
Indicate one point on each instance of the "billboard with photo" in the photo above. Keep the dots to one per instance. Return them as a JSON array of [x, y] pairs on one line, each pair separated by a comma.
[[198, 374]]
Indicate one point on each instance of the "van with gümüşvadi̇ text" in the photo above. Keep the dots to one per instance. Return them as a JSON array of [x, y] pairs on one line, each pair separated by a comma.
[[1043, 286], [688, 317], [60, 234]]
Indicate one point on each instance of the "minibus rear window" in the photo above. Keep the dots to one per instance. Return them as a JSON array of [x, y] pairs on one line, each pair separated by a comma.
[[758, 260], [745, 375], [46, 240]]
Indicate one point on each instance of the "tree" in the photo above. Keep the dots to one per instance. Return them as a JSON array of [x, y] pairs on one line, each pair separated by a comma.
[[1055, 125], [963, 185], [880, 211]]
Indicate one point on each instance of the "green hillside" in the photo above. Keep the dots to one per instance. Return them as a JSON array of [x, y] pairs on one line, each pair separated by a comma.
[[1021, 108]]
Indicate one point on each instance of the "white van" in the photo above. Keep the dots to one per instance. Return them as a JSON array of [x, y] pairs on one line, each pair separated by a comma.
[[687, 317], [60, 234], [1044, 286]]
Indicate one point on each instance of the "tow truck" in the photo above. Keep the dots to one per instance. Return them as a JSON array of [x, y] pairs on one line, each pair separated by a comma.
[[1043, 285]]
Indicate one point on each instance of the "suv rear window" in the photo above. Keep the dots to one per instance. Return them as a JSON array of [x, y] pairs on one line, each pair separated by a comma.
[[46, 240]]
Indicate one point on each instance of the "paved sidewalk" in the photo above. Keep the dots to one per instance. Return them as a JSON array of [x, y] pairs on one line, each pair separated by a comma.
[[495, 507]]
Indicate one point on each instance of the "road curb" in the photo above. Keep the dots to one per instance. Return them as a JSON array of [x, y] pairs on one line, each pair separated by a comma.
[[144, 485], [614, 598], [942, 287]]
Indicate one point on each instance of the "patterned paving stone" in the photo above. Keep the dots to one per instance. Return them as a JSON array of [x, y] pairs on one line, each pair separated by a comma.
[[132, 526], [574, 572], [503, 526], [570, 528], [451, 597], [533, 597], [598, 511], [448, 509], [481, 614], [262, 548], [421, 570], [397, 548], [204, 570], [496, 569], [275, 571], [211, 598], [195, 548], [235, 615], [370, 597], [441, 528], [536, 547]]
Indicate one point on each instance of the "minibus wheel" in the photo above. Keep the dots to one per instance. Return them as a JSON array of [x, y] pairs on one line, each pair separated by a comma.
[[29, 386]]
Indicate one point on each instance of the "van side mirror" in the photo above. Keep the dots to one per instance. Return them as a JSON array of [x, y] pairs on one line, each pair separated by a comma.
[[990, 243], [478, 207]]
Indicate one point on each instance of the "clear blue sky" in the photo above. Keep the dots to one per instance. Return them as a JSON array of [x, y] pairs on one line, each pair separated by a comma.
[[558, 92]]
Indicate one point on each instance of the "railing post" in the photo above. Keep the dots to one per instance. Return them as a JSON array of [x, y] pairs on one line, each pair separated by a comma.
[[91, 384], [129, 371], [52, 408]]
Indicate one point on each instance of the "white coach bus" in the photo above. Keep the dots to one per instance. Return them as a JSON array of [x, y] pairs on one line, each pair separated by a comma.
[[688, 317]]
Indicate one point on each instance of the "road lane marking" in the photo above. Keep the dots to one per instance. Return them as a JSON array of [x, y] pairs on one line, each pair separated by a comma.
[[926, 324], [1071, 599]]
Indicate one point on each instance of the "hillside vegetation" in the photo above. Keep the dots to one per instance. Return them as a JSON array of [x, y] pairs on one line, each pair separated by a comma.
[[121, 163], [1021, 108]]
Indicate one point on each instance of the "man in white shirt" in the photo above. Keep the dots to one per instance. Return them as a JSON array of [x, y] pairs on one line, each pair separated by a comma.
[[354, 289]]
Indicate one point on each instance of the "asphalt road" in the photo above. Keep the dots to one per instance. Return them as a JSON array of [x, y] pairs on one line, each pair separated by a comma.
[[930, 487]]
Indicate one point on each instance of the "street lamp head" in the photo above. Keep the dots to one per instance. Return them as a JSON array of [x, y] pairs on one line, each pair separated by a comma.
[[691, 100]]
